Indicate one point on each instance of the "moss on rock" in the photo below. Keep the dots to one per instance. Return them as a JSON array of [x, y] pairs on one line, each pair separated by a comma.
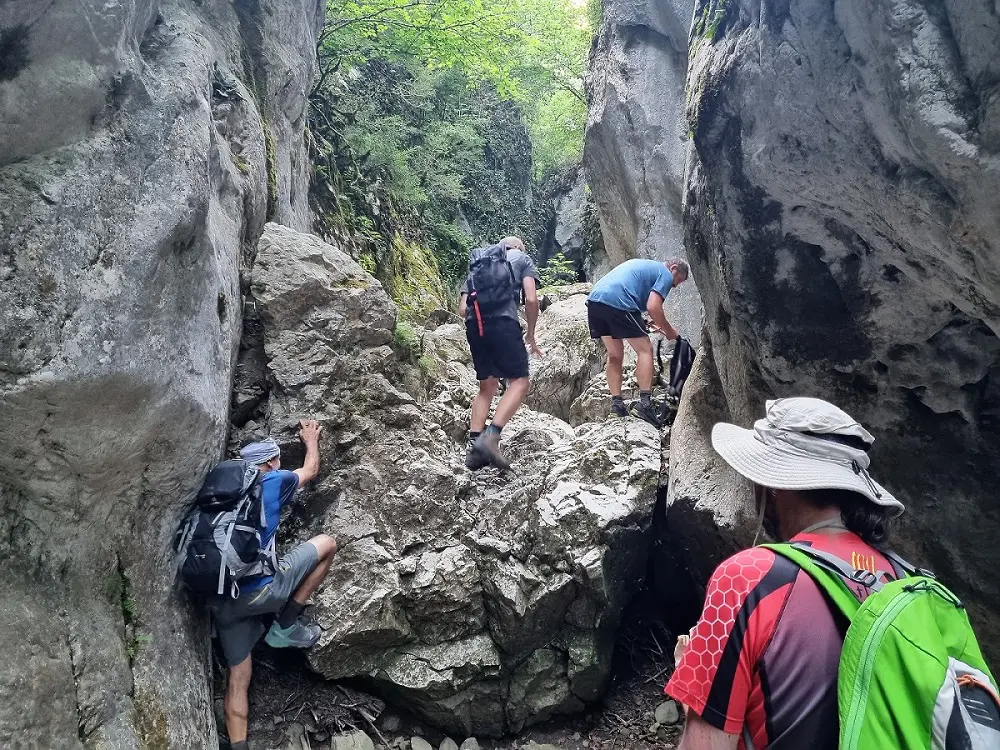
[[413, 280]]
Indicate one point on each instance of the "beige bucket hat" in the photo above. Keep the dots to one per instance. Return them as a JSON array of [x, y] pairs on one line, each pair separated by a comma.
[[804, 444]]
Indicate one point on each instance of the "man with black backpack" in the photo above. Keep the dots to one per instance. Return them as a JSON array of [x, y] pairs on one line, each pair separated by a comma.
[[498, 276], [239, 621], [772, 663]]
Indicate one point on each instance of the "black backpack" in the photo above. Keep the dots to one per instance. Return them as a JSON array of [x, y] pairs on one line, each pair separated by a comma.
[[491, 282], [218, 543], [680, 367]]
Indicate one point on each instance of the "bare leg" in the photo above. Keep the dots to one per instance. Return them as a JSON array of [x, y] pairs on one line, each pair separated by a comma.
[[644, 368], [236, 704], [481, 404], [488, 444], [616, 358], [517, 389], [327, 548]]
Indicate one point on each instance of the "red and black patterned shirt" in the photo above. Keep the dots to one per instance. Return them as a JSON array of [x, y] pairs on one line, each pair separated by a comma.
[[762, 662]]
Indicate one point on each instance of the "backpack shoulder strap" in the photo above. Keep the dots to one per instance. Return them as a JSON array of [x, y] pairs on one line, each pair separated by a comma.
[[829, 572], [902, 568]]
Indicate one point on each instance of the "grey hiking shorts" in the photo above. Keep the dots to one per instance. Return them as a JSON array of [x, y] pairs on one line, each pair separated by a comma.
[[239, 622]]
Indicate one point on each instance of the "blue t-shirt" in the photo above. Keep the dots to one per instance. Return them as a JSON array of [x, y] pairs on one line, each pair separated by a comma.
[[277, 488], [627, 286]]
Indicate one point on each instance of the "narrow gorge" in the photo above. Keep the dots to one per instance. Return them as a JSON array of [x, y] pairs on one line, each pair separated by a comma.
[[200, 244]]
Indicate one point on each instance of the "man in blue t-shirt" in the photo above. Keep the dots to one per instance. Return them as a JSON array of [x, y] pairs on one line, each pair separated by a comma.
[[614, 313], [240, 622]]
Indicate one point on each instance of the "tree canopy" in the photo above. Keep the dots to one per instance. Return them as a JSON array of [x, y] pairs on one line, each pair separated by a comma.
[[532, 52], [431, 119]]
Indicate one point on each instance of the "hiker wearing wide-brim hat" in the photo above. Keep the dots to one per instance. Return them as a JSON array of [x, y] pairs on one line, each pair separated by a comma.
[[804, 444], [762, 662]]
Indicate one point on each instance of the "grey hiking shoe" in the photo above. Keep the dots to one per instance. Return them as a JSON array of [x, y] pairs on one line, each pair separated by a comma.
[[646, 413], [299, 635], [487, 448], [476, 459], [618, 409]]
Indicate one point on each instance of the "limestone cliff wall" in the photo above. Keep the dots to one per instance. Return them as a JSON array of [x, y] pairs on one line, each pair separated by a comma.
[[143, 146], [636, 139], [842, 220]]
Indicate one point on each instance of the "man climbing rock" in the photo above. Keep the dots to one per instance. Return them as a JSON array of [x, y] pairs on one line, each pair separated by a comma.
[[760, 669], [498, 276], [614, 313], [239, 622]]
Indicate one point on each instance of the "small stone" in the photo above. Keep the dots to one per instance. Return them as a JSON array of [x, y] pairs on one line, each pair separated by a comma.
[[448, 744], [470, 744], [352, 741], [419, 743], [391, 723], [653, 727], [667, 713]]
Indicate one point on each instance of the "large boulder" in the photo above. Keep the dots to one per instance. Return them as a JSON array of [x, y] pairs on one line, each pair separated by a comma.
[[571, 358], [481, 602], [142, 147], [841, 218], [710, 508], [636, 139]]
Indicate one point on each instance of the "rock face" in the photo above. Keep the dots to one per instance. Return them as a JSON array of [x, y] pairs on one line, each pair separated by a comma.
[[841, 217], [142, 147], [637, 139], [570, 224], [481, 602]]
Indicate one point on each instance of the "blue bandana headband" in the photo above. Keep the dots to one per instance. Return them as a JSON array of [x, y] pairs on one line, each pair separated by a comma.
[[260, 453]]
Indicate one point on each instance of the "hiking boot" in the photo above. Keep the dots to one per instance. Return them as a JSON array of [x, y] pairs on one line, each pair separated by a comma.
[[476, 459], [646, 412], [298, 635], [618, 409], [487, 447]]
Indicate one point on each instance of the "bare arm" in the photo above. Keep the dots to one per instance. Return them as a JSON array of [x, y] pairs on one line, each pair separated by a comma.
[[531, 313], [654, 306], [462, 303], [700, 735], [309, 431]]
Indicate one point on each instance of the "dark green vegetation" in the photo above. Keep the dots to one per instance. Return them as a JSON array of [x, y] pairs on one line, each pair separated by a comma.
[[431, 123]]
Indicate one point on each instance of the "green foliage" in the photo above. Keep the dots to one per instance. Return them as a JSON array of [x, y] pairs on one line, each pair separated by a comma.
[[710, 21], [413, 280], [429, 120], [559, 271], [407, 341], [595, 14], [556, 133], [118, 590]]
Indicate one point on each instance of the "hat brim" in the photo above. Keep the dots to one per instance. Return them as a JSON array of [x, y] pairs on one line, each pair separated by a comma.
[[770, 466]]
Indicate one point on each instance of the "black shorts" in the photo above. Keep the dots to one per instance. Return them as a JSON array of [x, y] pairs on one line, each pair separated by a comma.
[[500, 351], [605, 320]]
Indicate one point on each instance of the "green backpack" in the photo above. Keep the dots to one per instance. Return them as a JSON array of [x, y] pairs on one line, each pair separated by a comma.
[[911, 675]]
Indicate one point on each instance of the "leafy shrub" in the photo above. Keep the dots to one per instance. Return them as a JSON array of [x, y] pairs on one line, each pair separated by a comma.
[[558, 271]]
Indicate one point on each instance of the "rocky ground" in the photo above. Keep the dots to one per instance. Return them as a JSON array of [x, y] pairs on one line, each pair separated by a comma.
[[484, 604], [293, 709]]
